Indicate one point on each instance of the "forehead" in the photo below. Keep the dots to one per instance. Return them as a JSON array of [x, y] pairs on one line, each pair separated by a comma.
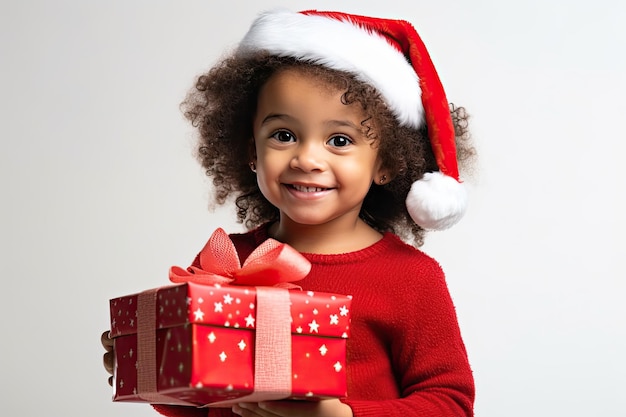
[[299, 93], [327, 81]]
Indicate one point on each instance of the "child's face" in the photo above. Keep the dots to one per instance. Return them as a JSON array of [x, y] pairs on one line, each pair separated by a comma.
[[314, 162]]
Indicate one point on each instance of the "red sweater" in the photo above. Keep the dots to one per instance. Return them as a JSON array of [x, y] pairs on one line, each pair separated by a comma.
[[405, 354]]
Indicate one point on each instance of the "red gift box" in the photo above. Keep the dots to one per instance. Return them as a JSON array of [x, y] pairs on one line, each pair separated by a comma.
[[205, 344], [208, 344]]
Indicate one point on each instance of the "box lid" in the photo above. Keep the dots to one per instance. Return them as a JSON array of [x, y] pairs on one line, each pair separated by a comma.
[[312, 313]]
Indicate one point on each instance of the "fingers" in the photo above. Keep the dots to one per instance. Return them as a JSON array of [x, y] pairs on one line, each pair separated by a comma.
[[251, 410], [108, 360], [287, 408], [106, 341]]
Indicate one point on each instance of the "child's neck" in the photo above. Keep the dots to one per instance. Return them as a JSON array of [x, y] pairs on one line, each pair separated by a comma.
[[328, 238]]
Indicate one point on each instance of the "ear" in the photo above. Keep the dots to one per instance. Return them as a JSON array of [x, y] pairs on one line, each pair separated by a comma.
[[382, 176]]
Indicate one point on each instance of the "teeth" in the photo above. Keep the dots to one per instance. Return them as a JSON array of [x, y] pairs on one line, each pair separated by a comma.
[[308, 189]]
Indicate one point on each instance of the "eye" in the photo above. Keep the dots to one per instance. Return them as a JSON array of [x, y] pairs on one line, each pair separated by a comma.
[[283, 136], [339, 141]]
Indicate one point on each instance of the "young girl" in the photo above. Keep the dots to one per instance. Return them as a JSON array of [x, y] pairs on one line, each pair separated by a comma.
[[334, 135]]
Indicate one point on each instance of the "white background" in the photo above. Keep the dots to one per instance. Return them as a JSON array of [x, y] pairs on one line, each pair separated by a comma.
[[101, 193]]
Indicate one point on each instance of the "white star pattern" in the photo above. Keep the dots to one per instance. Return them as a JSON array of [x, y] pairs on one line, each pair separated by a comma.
[[314, 327], [226, 308], [198, 315]]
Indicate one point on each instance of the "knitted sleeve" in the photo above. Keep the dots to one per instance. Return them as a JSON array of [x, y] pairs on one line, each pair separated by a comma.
[[427, 352]]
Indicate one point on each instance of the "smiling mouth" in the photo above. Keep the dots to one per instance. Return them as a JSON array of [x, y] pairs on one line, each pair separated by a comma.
[[304, 189]]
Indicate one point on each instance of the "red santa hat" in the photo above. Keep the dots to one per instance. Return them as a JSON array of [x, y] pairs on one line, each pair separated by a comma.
[[389, 55]]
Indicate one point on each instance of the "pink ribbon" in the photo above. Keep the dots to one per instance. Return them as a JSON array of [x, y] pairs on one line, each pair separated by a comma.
[[147, 388], [272, 264]]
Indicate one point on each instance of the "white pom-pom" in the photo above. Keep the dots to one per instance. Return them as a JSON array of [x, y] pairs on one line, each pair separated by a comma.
[[437, 201]]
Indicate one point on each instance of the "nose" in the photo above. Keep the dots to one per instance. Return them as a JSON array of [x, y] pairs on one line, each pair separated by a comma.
[[309, 157]]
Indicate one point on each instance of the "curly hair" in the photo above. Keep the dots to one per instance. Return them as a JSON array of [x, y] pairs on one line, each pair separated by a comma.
[[222, 106]]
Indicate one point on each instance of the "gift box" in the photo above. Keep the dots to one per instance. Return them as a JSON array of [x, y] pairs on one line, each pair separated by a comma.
[[213, 344]]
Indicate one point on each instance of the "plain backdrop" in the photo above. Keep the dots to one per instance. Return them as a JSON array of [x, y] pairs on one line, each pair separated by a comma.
[[101, 193]]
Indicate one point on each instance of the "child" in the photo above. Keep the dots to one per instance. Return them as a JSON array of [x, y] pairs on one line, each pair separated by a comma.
[[334, 135]]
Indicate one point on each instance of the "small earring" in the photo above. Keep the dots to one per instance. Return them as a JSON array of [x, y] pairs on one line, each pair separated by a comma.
[[382, 179], [252, 166]]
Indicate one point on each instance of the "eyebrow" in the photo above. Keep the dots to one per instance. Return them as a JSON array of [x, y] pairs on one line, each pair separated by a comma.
[[337, 123], [276, 116]]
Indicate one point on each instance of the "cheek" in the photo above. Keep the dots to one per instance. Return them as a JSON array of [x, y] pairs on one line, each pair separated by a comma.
[[363, 168], [266, 178]]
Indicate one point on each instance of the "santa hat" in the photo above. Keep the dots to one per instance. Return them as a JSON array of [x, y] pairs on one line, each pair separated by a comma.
[[389, 55]]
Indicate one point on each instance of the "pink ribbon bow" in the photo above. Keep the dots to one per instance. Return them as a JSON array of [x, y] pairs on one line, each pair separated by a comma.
[[271, 264]]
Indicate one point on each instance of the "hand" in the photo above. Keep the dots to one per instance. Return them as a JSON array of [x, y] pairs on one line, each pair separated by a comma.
[[324, 408], [109, 357]]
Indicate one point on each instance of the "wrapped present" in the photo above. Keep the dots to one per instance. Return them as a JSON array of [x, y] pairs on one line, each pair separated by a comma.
[[225, 333]]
